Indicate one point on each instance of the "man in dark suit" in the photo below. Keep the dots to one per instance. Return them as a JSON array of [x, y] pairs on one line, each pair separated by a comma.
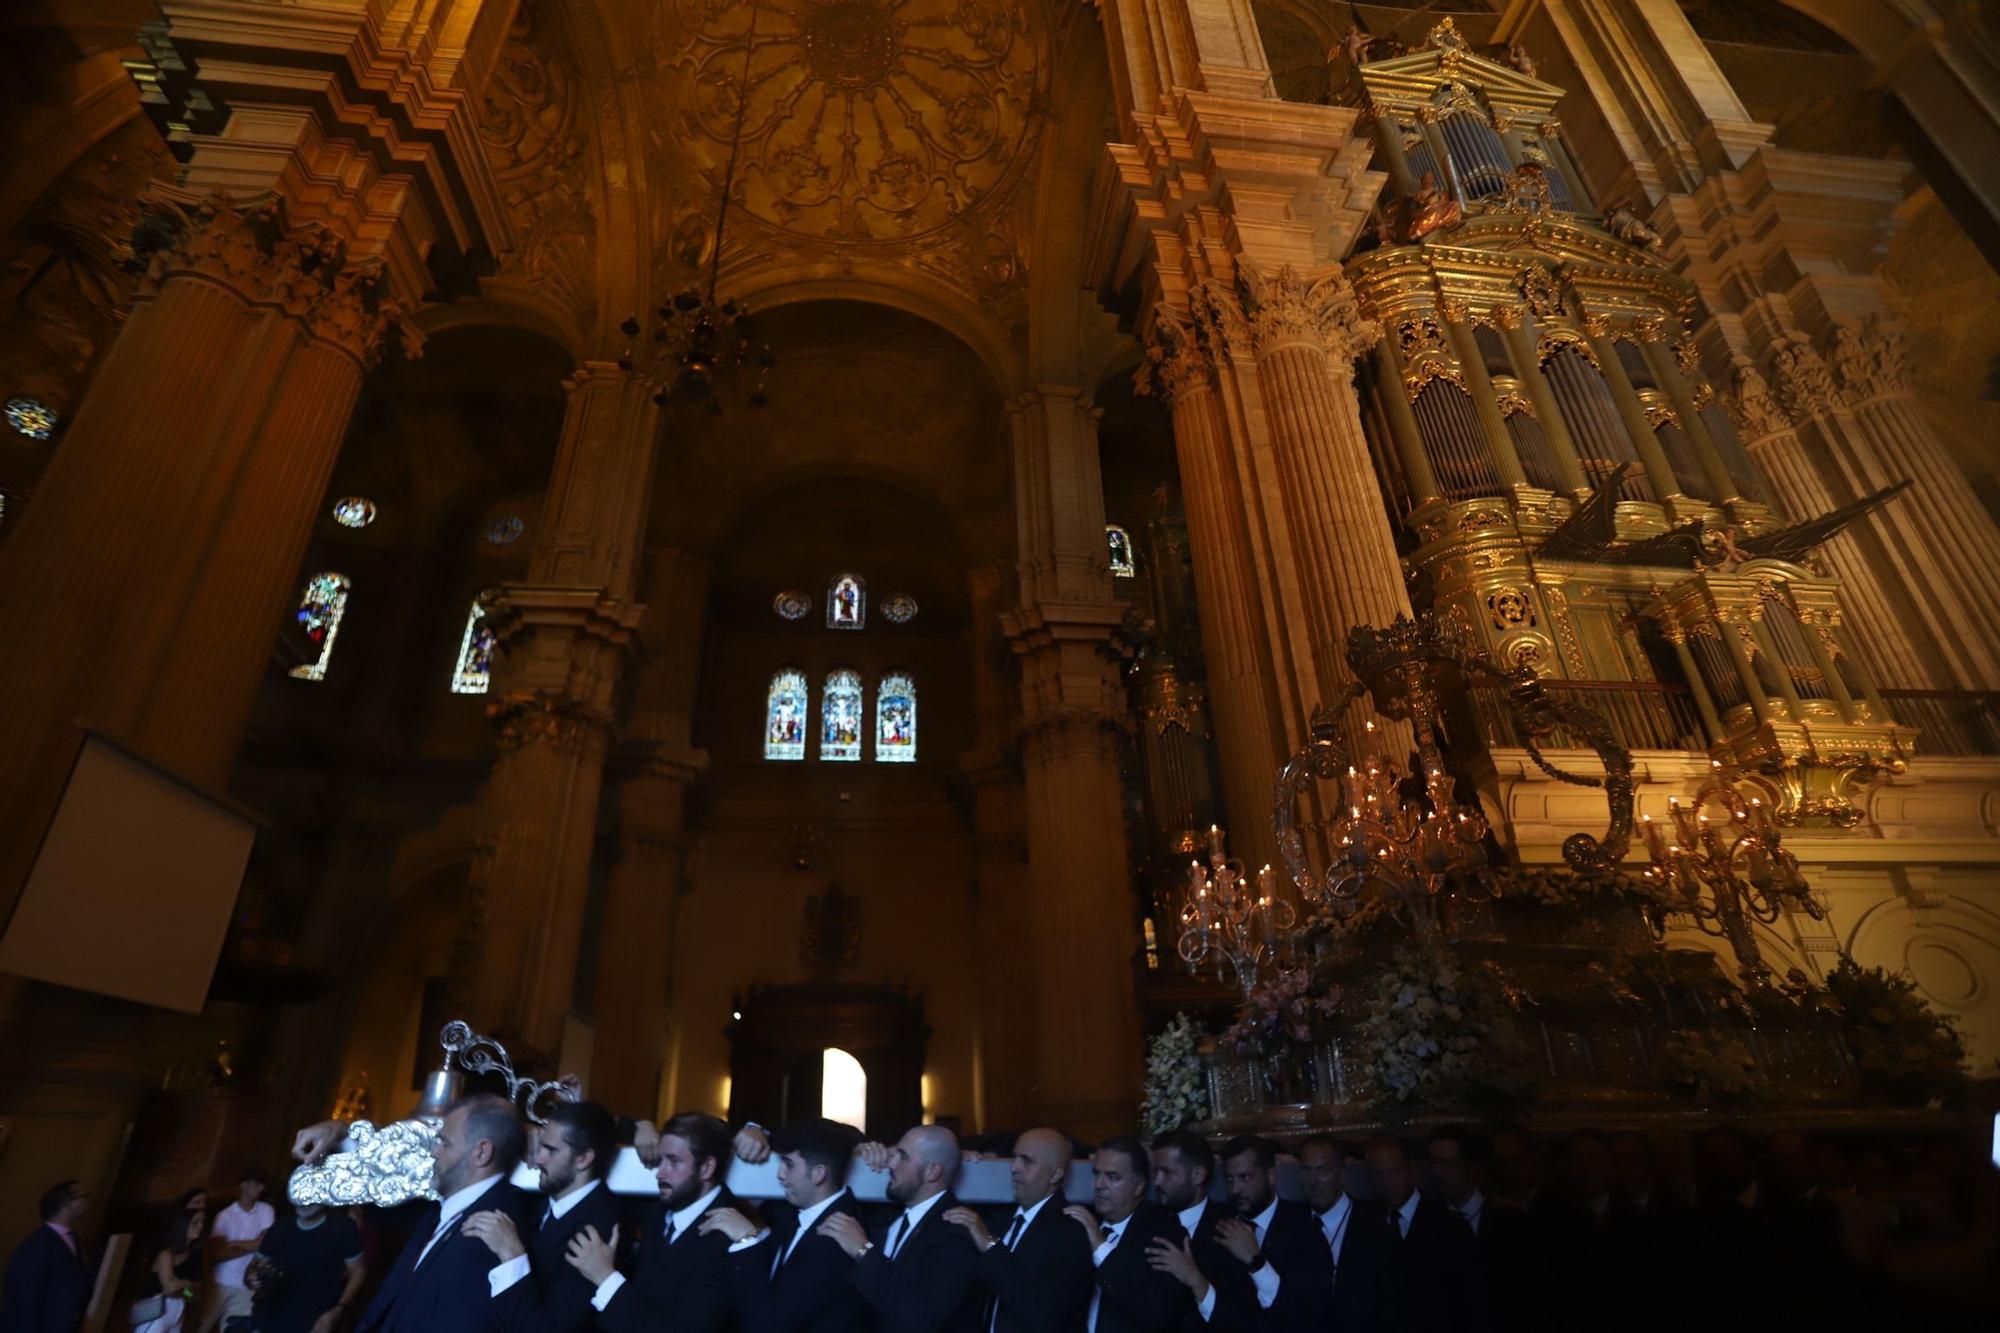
[[1352, 1227], [1430, 1279], [1278, 1242], [681, 1276], [445, 1280], [1129, 1295], [47, 1286], [1511, 1262], [921, 1274], [535, 1289], [1183, 1168], [1039, 1271], [790, 1278]]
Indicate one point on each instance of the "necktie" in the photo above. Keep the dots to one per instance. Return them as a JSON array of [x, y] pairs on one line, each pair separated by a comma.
[[993, 1302], [444, 1228], [902, 1234], [668, 1238], [548, 1216]]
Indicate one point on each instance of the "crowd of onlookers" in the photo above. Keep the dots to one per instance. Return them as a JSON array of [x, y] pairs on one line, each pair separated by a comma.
[[1459, 1229]]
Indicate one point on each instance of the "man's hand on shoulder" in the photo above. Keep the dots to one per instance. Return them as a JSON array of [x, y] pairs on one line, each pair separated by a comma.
[[315, 1141], [594, 1256]]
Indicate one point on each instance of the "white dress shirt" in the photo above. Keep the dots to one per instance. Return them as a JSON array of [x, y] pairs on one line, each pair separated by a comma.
[[1017, 1228], [1407, 1212], [507, 1274], [808, 1219], [914, 1215], [1190, 1222], [683, 1220], [448, 1214], [1334, 1223], [1472, 1210], [1113, 1232]]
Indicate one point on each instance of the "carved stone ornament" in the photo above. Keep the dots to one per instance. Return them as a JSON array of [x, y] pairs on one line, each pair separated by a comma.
[[1752, 407], [1176, 361], [244, 245], [1219, 315], [558, 724], [1285, 308], [1804, 384], [1871, 361]]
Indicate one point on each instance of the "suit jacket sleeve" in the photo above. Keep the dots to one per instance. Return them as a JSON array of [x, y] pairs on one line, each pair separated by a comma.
[[1151, 1301], [1305, 1281], [1044, 1285], [31, 1276], [947, 1269], [700, 1303]]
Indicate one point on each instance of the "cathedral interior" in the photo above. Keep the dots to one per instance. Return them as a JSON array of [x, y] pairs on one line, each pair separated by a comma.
[[698, 535]]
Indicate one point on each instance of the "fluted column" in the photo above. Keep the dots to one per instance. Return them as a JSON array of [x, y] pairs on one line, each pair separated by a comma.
[[632, 1006], [564, 635], [1234, 646], [1079, 900], [1895, 653], [143, 588], [1306, 335]]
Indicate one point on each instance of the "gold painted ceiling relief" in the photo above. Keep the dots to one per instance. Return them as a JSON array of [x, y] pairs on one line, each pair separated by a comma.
[[870, 121]]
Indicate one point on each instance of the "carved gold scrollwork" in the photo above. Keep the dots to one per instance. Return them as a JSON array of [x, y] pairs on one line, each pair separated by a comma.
[[1540, 288]]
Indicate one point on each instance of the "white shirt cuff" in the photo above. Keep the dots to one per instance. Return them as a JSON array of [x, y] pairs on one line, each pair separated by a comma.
[[606, 1290], [502, 1276], [1207, 1306], [748, 1241], [1266, 1280]]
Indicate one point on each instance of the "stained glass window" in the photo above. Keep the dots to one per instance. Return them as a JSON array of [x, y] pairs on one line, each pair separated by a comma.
[[505, 529], [1120, 543], [321, 606], [785, 716], [792, 604], [840, 717], [900, 609], [354, 511], [896, 719], [36, 420], [846, 603], [474, 671]]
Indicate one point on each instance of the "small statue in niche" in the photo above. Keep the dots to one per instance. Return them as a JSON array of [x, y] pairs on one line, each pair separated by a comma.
[[1429, 210], [1628, 227]]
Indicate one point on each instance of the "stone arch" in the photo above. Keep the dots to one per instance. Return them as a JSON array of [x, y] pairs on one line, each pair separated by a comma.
[[890, 285], [1951, 949]]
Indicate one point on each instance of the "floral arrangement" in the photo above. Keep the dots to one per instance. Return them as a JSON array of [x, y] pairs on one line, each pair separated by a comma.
[[1176, 1083], [1434, 1031], [1714, 1066], [1906, 1051], [1283, 1012], [1559, 886]]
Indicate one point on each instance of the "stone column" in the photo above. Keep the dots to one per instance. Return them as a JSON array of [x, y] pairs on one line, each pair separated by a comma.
[[1234, 646], [143, 588], [1078, 904], [564, 635], [633, 1003], [1306, 334]]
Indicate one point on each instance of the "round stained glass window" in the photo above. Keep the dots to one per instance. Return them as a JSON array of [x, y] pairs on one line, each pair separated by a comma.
[[900, 609], [505, 529], [792, 605], [36, 420], [354, 511]]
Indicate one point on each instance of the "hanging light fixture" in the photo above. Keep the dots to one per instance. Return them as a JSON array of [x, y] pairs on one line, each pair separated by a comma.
[[698, 338]]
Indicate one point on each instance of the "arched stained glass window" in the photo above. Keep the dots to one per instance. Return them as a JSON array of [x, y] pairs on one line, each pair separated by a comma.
[[474, 671], [321, 606], [846, 602], [785, 716], [840, 717], [1119, 543], [896, 719]]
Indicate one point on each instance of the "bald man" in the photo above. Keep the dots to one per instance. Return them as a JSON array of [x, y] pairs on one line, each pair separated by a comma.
[[920, 1274], [1038, 1272]]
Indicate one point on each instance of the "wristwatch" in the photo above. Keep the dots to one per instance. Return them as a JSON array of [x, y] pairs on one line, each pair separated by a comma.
[[1257, 1264]]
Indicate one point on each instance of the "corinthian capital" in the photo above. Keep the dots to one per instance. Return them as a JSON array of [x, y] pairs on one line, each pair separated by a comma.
[[1285, 308], [245, 246], [1871, 361], [1805, 386], [1176, 359], [1751, 406]]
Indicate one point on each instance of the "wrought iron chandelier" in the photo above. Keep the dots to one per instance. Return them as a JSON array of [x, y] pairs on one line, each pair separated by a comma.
[[699, 338], [1228, 921], [1727, 872]]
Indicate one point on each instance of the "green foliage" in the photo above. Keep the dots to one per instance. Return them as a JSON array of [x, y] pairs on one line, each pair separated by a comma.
[[1715, 1066], [1906, 1051]]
